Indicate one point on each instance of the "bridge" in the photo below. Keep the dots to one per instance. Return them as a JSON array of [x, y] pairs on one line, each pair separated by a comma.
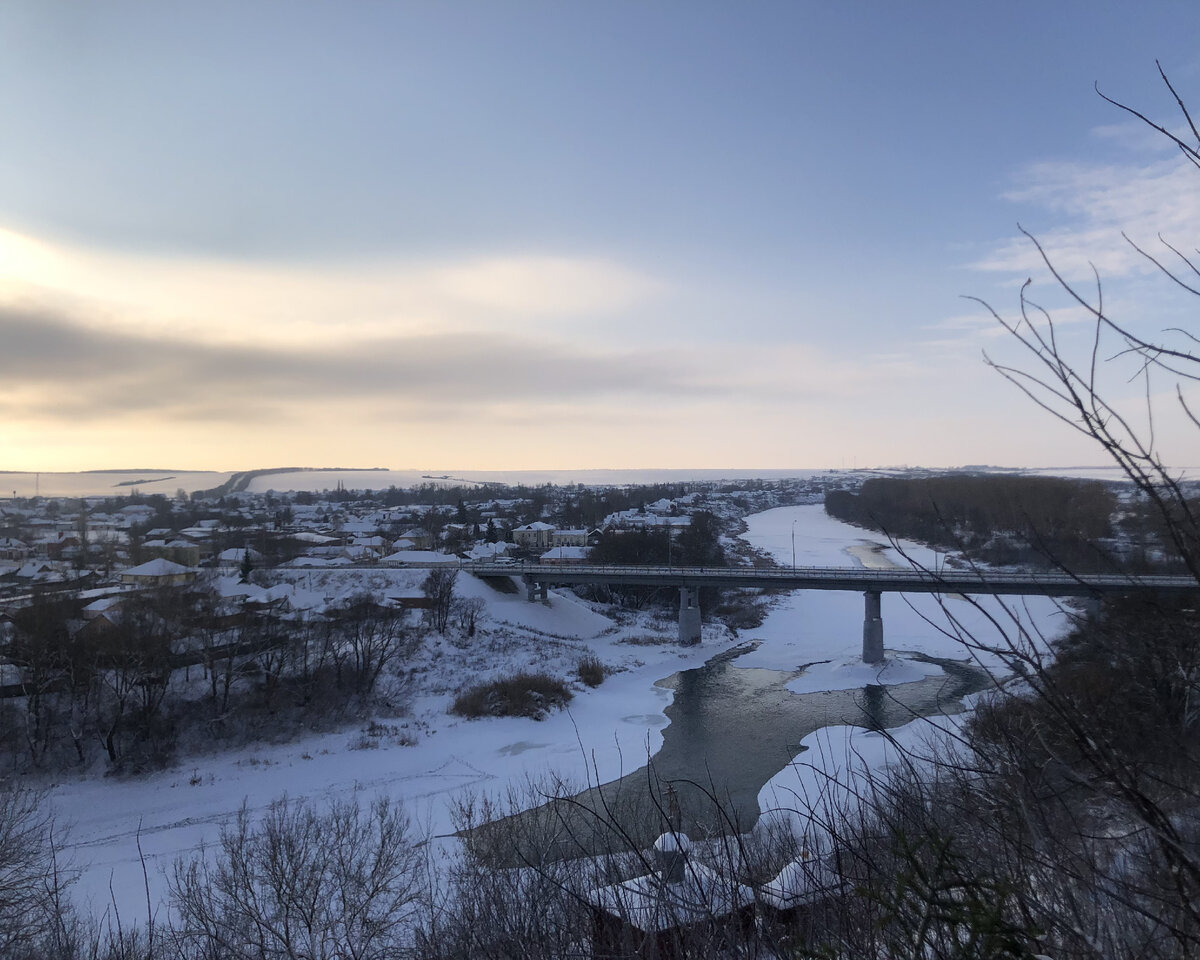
[[538, 577]]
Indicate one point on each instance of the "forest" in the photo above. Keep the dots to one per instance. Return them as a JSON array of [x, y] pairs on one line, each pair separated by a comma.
[[1039, 521]]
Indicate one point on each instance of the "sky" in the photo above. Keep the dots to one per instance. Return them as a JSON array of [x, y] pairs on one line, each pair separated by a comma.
[[537, 235]]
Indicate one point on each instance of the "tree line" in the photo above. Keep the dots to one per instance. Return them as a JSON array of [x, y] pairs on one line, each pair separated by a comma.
[[176, 668], [1000, 519]]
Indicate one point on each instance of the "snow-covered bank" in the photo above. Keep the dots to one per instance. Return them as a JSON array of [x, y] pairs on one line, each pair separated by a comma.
[[826, 776], [607, 731], [171, 814]]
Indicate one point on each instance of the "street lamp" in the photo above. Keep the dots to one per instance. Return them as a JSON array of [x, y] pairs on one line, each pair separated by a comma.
[[793, 546]]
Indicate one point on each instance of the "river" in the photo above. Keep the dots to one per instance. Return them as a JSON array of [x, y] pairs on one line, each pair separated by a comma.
[[738, 720]]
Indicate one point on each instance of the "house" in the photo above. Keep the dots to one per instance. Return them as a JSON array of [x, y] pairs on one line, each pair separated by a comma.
[[39, 570], [104, 606], [13, 549], [158, 573], [681, 908], [60, 546], [137, 513], [376, 545], [420, 538], [97, 627], [489, 551], [534, 536], [565, 555], [234, 557], [402, 558], [569, 538], [179, 551]]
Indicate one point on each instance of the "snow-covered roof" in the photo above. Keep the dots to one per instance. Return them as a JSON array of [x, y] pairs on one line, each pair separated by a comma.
[[102, 604], [801, 881], [159, 567], [652, 903], [485, 550], [401, 557], [136, 509], [308, 536], [566, 553], [319, 562], [36, 569]]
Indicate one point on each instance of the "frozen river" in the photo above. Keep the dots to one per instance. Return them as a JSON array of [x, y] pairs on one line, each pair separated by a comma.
[[607, 733]]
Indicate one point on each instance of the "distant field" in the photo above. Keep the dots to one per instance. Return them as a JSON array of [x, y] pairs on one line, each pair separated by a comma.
[[116, 483], [122, 482], [316, 480]]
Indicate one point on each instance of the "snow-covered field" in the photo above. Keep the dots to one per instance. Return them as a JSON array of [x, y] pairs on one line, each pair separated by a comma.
[[109, 827], [108, 483], [316, 480]]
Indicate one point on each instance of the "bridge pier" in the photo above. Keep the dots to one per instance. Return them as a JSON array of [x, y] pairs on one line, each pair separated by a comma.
[[536, 590], [689, 616], [872, 629]]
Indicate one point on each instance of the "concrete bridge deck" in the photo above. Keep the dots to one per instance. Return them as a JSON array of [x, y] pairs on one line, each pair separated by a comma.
[[871, 583], [947, 580]]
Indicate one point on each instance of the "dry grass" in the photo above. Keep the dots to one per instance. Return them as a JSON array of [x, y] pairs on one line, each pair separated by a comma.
[[517, 695], [591, 671]]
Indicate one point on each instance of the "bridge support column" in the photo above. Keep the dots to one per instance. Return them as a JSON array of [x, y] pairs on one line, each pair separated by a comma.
[[872, 629], [536, 590], [689, 616]]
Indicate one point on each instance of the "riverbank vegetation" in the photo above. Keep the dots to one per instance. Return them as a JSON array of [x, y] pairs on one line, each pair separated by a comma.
[[1039, 521], [177, 671], [525, 694]]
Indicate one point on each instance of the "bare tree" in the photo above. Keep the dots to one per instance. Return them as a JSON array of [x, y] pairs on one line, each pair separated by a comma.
[[1094, 769], [375, 635], [33, 916], [439, 590], [467, 611], [302, 884], [1070, 388]]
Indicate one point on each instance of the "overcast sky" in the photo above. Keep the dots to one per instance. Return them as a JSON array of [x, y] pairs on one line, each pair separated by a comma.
[[506, 235]]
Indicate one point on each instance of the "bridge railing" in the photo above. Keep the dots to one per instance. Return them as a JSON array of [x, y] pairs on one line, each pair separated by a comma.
[[812, 574], [944, 580]]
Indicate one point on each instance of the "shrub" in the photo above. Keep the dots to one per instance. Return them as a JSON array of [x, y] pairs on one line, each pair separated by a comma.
[[591, 671], [296, 880], [517, 695]]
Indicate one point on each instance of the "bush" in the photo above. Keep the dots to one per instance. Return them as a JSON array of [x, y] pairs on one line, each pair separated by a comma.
[[298, 880], [591, 671], [518, 695]]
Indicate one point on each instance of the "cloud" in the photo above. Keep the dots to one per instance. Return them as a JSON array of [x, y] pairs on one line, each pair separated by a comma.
[[247, 301], [544, 286], [58, 367], [495, 360], [1094, 204]]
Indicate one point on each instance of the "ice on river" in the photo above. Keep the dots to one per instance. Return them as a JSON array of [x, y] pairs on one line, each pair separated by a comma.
[[108, 826]]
